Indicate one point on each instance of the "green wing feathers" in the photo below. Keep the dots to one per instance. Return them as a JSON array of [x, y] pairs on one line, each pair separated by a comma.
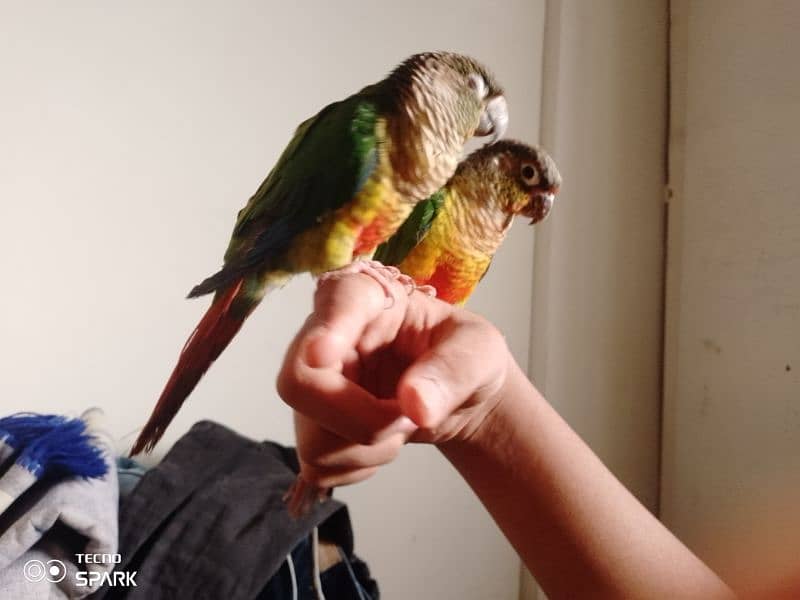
[[412, 231], [324, 166]]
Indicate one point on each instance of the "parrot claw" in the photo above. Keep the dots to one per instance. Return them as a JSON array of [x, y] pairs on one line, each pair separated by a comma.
[[407, 282], [302, 495], [428, 290], [385, 275]]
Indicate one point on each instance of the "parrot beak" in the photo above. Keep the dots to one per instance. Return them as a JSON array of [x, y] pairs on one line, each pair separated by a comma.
[[539, 206], [494, 119]]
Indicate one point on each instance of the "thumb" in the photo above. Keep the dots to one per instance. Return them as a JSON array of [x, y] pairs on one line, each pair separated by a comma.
[[466, 358]]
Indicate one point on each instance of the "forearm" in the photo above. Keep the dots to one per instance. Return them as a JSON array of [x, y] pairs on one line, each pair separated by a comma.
[[578, 530]]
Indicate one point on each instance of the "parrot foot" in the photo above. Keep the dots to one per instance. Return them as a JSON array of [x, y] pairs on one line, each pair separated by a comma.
[[408, 282], [428, 290], [385, 275], [302, 495]]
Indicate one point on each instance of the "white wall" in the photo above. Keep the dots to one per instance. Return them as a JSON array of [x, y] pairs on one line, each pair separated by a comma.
[[596, 335], [597, 297], [731, 466], [131, 134]]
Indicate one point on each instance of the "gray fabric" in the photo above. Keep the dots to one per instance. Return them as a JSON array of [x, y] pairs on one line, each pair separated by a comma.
[[56, 520], [6, 451], [13, 483], [209, 521]]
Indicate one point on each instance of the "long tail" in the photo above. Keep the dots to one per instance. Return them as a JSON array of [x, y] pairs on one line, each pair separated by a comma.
[[211, 336]]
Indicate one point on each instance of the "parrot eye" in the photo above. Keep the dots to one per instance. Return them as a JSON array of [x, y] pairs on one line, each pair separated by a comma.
[[478, 85], [529, 174]]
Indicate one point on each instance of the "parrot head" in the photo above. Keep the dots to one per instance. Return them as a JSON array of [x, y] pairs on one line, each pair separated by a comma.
[[480, 91], [525, 178], [457, 86]]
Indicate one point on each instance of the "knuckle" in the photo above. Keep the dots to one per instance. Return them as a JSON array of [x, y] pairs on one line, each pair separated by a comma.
[[347, 477], [328, 461], [316, 475], [286, 382], [492, 339], [344, 461], [310, 459], [292, 383], [429, 420], [328, 481], [482, 324]]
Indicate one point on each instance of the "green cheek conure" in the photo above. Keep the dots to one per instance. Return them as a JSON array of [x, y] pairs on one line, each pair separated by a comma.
[[347, 180], [449, 239]]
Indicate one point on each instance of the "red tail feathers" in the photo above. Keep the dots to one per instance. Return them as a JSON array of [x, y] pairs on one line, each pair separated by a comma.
[[211, 336]]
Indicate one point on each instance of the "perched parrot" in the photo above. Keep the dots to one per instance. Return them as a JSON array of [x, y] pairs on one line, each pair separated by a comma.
[[346, 181], [449, 239]]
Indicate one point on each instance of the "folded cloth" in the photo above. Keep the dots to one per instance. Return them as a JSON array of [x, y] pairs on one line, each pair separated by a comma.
[[129, 473], [209, 521], [64, 449], [51, 523]]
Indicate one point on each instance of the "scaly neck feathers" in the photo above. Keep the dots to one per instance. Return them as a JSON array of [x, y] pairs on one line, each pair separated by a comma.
[[477, 210]]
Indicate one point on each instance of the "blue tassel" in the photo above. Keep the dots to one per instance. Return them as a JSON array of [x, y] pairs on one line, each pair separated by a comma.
[[19, 429], [23, 428], [65, 450]]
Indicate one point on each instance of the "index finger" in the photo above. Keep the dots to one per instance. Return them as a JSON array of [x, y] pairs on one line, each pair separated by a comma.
[[343, 308], [311, 379]]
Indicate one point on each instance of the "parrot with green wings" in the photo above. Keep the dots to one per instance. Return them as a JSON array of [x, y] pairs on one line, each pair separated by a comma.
[[346, 181], [447, 243], [449, 239]]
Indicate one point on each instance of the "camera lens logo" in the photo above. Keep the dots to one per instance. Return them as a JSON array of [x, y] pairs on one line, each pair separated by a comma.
[[53, 571]]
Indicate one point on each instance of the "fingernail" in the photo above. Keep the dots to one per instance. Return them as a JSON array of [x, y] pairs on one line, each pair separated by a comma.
[[425, 396], [405, 426]]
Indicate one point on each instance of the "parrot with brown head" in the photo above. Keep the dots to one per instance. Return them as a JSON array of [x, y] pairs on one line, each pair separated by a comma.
[[449, 239]]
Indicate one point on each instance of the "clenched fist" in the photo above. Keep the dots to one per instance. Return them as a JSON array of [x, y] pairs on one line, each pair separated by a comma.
[[370, 371]]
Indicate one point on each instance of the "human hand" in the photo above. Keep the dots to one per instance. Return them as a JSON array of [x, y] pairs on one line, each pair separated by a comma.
[[365, 379]]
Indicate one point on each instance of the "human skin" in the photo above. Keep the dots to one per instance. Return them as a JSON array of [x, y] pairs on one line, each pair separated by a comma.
[[365, 376]]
